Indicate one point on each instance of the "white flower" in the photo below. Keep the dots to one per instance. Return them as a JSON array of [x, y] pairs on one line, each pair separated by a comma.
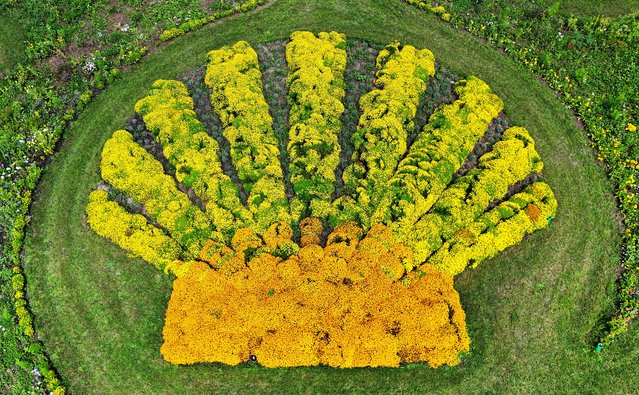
[[89, 66]]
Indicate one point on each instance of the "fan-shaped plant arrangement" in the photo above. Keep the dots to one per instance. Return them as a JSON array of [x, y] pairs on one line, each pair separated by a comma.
[[273, 262]]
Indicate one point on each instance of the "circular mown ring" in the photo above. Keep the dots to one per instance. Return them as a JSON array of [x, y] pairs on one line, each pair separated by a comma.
[[65, 261]]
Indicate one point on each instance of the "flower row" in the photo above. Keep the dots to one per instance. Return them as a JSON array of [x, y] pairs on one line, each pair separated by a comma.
[[168, 113], [440, 150], [133, 233], [316, 90], [129, 168], [381, 138], [510, 161], [498, 229], [235, 80]]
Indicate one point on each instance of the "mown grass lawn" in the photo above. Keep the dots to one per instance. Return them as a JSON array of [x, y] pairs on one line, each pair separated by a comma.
[[599, 7], [11, 43], [530, 312]]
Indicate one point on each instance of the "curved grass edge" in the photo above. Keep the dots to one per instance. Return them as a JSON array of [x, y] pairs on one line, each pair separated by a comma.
[[23, 343], [101, 119], [626, 310]]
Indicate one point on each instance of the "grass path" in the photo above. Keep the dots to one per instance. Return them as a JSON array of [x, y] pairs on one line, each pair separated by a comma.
[[11, 43], [530, 311], [599, 7]]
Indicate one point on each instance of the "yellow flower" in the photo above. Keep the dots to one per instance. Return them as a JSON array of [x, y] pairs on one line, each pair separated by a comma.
[[350, 313], [631, 127], [245, 290]]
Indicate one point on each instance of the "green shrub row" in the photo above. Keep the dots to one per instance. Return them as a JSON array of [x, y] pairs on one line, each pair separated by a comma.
[[32, 353], [197, 23]]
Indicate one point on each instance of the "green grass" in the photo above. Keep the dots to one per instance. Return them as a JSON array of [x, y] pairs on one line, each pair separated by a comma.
[[11, 43], [599, 7], [530, 311]]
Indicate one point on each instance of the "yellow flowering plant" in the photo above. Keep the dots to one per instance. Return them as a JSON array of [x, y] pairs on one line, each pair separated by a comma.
[[234, 77], [313, 277], [380, 139], [316, 81], [327, 305]]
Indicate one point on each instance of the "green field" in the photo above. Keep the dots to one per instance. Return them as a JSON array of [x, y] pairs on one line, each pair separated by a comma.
[[11, 43], [530, 312], [599, 7]]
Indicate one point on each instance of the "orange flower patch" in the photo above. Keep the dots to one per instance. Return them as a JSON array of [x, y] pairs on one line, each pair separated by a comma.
[[533, 212], [337, 305]]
